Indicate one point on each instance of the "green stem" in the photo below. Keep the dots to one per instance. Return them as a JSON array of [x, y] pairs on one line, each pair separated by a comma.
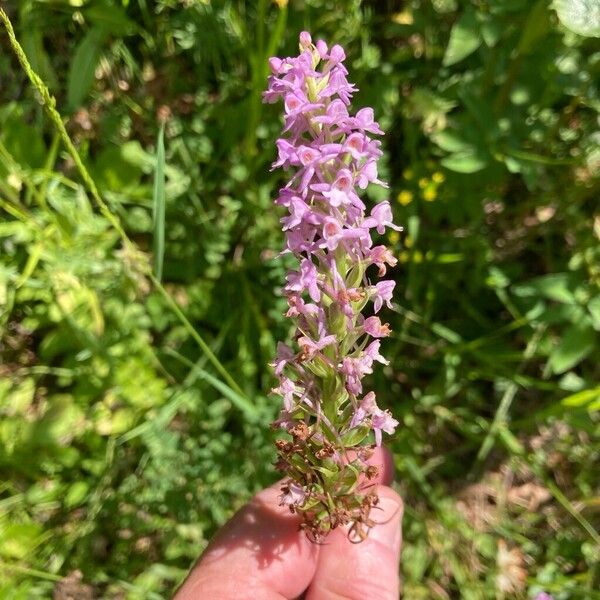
[[196, 336]]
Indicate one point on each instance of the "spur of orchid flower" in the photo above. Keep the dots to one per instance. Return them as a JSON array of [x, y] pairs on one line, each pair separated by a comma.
[[331, 157]]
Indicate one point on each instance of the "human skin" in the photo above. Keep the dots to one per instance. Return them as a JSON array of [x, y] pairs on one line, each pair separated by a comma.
[[261, 554]]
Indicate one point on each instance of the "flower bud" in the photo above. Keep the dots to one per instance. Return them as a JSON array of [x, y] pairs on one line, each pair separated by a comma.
[[275, 65], [305, 40]]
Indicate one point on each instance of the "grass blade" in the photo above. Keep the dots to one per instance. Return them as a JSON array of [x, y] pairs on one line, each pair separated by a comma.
[[158, 205]]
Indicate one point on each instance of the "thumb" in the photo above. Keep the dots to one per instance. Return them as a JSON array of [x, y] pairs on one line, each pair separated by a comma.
[[369, 569]]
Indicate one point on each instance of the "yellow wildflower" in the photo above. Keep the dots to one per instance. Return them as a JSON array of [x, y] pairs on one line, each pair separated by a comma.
[[430, 193], [438, 177], [407, 174], [423, 182], [405, 197], [403, 18], [394, 237]]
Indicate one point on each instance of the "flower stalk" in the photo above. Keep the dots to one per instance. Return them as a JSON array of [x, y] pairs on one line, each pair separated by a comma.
[[331, 156]]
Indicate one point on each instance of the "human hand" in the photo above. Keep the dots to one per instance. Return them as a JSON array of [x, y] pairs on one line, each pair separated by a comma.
[[261, 554]]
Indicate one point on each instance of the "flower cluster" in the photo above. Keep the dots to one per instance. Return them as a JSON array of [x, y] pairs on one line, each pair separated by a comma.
[[332, 156]]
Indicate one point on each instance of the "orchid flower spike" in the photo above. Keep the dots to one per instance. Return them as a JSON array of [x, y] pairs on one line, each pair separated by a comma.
[[332, 422]]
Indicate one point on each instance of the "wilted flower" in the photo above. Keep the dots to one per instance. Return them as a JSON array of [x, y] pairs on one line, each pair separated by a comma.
[[331, 156], [292, 494]]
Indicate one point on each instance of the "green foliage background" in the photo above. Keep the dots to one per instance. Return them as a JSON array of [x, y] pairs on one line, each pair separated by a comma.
[[123, 448]]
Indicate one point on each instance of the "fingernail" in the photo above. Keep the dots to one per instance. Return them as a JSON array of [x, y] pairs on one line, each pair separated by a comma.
[[388, 531]]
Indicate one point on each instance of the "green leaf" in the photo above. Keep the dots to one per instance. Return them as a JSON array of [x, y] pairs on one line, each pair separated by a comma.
[[24, 142], [451, 142], [464, 39], [467, 161], [580, 16], [355, 436], [556, 286], [113, 422], [513, 165], [17, 540], [76, 493], [349, 479], [575, 345], [497, 278], [158, 205], [594, 310], [491, 30], [83, 67], [510, 441], [536, 26], [584, 398], [133, 153], [21, 397], [446, 333], [330, 473], [113, 170], [62, 421], [111, 18], [35, 253], [33, 44]]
